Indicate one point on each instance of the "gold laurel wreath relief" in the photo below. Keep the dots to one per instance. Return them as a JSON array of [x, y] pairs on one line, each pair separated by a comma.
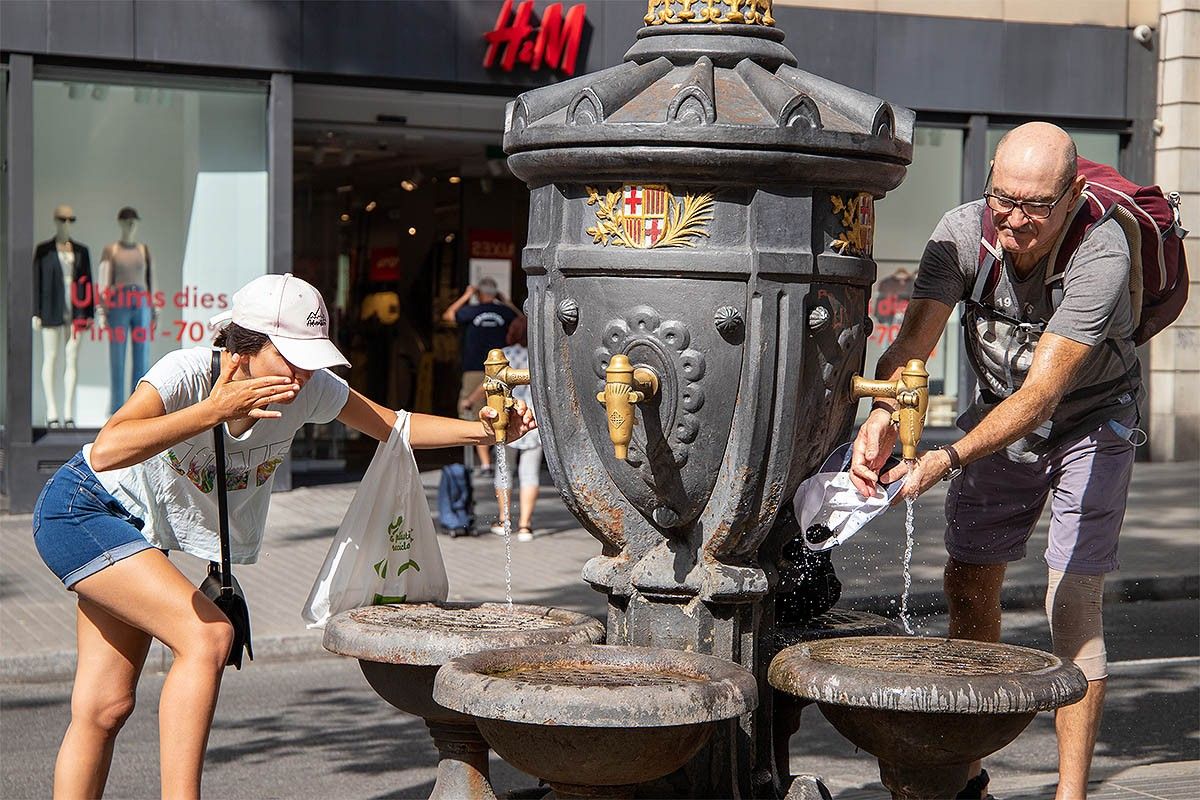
[[857, 237], [685, 221], [743, 12]]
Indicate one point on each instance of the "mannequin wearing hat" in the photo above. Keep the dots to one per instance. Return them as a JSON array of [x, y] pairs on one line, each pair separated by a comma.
[[126, 311], [63, 305]]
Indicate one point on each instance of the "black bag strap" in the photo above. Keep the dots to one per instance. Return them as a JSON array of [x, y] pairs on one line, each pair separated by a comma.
[[222, 497]]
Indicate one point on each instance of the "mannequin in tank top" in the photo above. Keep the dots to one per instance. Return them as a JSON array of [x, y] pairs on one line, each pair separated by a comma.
[[62, 308], [127, 311]]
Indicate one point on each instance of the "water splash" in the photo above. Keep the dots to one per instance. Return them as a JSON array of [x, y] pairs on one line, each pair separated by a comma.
[[504, 492], [908, 551]]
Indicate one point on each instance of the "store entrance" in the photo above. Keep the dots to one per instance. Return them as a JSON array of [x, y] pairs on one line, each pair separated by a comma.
[[401, 199]]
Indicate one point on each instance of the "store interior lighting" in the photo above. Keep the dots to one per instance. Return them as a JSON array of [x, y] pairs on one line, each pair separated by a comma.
[[371, 206], [455, 179], [412, 231]]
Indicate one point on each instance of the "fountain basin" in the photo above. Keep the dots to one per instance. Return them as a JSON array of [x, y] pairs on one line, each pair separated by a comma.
[[596, 720], [926, 707], [401, 647]]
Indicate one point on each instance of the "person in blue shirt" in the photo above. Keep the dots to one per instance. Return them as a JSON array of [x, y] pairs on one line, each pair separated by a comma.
[[485, 327]]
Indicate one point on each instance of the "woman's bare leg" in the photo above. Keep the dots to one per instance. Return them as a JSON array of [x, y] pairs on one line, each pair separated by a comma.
[[111, 655], [146, 592]]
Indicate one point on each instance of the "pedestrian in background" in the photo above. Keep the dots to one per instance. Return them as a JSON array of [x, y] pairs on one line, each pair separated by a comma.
[[524, 456], [106, 519], [485, 327]]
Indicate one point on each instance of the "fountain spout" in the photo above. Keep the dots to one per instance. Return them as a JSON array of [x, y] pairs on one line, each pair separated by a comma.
[[911, 393], [499, 379], [624, 386]]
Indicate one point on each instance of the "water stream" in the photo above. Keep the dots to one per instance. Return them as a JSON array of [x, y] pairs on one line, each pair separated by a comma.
[[504, 490], [908, 550]]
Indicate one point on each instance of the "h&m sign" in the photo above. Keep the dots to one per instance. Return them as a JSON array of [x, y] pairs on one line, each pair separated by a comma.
[[555, 43]]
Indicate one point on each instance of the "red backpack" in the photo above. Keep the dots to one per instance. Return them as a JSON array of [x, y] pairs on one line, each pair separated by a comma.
[[1158, 276]]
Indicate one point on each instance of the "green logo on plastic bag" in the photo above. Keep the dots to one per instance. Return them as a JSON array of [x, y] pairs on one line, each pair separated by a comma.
[[400, 538]]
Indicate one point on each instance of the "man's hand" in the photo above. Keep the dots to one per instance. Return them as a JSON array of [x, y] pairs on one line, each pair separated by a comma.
[[872, 446], [520, 422], [232, 399], [929, 468]]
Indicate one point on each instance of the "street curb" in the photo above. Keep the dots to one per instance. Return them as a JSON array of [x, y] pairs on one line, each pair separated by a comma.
[[58, 666], [1028, 597]]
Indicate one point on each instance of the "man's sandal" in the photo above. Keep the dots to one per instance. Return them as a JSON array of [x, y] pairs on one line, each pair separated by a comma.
[[976, 788]]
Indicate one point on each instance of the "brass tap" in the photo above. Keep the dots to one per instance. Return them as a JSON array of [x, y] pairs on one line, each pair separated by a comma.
[[624, 386], [911, 393], [499, 378]]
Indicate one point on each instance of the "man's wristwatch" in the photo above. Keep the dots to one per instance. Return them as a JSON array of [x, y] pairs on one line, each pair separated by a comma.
[[955, 462]]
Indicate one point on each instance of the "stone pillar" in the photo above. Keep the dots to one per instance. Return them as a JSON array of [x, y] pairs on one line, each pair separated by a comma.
[[1175, 353]]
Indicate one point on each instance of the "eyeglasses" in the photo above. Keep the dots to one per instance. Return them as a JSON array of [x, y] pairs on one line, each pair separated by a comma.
[[65, 219], [1004, 205]]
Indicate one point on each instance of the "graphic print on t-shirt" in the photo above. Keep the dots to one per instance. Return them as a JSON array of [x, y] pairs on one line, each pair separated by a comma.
[[199, 464]]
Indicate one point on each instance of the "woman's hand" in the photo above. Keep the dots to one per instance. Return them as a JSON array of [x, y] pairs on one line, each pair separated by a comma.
[[520, 422], [238, 399]]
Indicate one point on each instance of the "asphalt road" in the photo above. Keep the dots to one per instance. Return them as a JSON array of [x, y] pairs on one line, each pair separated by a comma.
[[315, 729]]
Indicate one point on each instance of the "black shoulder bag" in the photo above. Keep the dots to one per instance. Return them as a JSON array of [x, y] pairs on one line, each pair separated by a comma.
[[220, 585]]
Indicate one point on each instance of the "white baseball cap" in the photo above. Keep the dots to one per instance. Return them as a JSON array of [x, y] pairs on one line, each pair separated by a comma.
[[828, 507], [291, 312]]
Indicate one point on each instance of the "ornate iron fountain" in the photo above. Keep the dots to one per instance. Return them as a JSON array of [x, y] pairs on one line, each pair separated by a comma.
[[699, 260]]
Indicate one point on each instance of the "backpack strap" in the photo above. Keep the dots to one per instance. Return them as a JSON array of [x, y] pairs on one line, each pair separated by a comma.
[[1084, 219], [990, 261]]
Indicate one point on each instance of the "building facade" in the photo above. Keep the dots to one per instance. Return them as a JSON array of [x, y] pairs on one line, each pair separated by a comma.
[[357, 145]]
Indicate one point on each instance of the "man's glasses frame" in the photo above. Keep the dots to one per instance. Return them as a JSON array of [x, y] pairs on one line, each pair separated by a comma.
[[65, 219], [1033, 210]]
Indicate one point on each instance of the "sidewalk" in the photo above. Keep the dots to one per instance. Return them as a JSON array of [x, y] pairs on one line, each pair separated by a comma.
[[1160, 559]]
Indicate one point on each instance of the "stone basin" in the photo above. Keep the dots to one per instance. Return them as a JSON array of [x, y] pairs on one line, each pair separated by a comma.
[[834, 623], [926, 707], [401, 647], [596, 720]]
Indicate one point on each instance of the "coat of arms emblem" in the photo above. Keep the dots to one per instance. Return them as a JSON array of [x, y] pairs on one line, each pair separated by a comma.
[[648, 215]]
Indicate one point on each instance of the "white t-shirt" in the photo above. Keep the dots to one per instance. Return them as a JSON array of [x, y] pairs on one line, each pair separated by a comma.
[[173, 491]]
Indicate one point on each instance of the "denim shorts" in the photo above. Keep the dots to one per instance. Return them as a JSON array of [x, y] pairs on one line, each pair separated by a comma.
[[79, 528]]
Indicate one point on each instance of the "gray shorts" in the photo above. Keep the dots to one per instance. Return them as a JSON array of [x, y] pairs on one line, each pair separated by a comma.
[[993, 506]]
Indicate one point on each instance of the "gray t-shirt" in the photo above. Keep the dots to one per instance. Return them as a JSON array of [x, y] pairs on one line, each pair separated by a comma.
[[1095, 307]]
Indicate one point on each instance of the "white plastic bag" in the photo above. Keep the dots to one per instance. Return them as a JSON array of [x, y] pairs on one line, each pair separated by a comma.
[[386, 549]]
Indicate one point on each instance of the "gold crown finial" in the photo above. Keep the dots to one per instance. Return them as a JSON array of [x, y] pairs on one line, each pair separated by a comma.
[[743, 12]]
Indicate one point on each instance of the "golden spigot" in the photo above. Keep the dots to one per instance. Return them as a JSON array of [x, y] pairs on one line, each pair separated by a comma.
[[911, 393], [624, 386], [499, 378]]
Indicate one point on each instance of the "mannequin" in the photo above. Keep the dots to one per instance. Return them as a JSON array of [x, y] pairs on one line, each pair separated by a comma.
[[126, 311], [63, 308]]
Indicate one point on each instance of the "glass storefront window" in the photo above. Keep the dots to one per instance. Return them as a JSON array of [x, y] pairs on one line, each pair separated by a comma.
[[904, 220], [156, 195]]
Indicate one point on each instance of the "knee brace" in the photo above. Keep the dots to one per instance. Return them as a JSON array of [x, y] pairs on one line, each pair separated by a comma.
[[1074, 608]]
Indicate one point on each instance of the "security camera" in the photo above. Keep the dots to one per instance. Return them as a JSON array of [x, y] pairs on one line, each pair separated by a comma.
[[1143, 34]]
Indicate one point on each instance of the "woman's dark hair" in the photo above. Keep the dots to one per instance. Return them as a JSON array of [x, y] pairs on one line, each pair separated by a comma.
[[236, 339], [517, 330]]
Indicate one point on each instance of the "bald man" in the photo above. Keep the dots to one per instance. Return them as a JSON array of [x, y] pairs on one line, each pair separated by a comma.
[[1059, 387]]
